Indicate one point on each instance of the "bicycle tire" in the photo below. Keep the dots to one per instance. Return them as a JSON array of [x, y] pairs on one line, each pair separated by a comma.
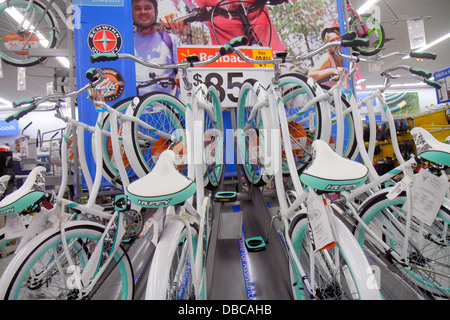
[[17, 284], [170, 271], [214, 144], [353, 270], [166, 113], [376, 38], [428, 261], [296, 93], [9, 30], [254, 143]]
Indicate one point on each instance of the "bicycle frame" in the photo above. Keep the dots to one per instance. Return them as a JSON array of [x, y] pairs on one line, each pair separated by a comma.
[[195, 108], [367, 157]]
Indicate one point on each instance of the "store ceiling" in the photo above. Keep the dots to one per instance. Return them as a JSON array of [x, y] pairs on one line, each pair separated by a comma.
[[394, 22], [395, 25]]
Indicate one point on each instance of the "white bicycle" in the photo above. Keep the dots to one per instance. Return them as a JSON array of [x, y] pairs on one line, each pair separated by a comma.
[[322, 266]]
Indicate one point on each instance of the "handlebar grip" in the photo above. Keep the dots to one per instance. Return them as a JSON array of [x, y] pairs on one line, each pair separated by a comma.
[[21, 113], [357, 42], [94, 74], [100, 57], [349, 35], [420, 72], [423, 55], [227, 48], [239, 41], [20, 102], [432, 83]]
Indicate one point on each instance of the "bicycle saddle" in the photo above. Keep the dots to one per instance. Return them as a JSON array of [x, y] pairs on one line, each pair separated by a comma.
[[29, 193], [330, 172], [164, 186], [429, 148]]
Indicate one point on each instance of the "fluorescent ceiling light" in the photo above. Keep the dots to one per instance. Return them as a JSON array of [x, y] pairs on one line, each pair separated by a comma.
[[64, 62], [435, 42], [5, 103], [366, 6]]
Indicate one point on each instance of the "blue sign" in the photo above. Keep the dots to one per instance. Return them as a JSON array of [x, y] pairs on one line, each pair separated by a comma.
[[103, 30], [9, 128], [443, 77], [97, 3]]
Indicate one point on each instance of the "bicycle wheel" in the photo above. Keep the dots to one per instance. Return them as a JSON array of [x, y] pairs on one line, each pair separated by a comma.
[[306, 126], [165, 113], [340, 273], [170, 275], [213, 141], [21, 30], [109, 167], [41, 269], [375, 33], [428, 251], [254, 142]]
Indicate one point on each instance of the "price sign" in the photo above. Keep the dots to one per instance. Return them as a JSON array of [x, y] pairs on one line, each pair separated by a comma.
[[229, 72]]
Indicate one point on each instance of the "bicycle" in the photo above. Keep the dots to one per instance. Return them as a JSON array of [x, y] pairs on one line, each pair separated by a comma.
[[75, 259], [335, 269], [29, 24], [367, 27], [369, 192], [178, 266], [382, 226]]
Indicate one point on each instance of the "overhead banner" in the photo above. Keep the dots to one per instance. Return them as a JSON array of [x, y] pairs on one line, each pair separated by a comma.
[[103, 26]]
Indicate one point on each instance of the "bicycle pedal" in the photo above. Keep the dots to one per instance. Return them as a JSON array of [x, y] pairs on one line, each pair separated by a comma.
[[255, 244], [225, 196]]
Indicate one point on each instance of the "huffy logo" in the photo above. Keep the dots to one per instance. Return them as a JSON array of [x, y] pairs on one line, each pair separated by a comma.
[[154, 203], [7, 211]]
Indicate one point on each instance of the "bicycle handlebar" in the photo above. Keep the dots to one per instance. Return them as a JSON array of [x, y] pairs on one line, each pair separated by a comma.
[[281, 57], [424, 74], [355, 57], [95, 76], [191, 61]]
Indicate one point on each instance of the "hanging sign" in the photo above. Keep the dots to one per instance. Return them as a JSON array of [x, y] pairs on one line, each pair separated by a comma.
[[103, 26]]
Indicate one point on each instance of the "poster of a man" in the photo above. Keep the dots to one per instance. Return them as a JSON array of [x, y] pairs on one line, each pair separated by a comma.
[[292, 26]]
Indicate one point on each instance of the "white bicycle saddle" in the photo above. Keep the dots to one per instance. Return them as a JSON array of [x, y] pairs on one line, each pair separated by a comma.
[[429, 148], [164, 186], [331, 172], [30, 192]]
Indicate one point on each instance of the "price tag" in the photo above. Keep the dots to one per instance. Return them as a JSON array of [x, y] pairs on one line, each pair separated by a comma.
[[319, 223], [229, 72], [428, 193], [14, 227]]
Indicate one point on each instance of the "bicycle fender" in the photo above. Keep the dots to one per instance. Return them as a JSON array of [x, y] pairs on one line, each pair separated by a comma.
[[162, 259]]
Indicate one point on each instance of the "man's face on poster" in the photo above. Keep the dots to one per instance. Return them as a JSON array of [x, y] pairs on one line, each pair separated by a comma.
[[144, 13]]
